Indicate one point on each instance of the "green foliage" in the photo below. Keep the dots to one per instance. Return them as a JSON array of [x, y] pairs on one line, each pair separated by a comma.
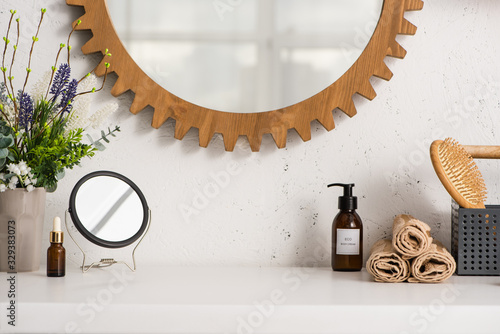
[[104, 137], [34, 135], [48, 147], [6, 141], [55, 153]]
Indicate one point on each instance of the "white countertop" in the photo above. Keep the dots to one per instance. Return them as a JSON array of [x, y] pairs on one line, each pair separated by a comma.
[[246, 300]]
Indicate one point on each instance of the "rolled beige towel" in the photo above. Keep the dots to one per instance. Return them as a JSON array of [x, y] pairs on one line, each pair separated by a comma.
[[385, 265], [434, 266], [410, 236]]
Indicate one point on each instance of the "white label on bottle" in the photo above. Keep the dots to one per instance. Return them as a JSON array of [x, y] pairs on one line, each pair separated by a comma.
[[347, 241]]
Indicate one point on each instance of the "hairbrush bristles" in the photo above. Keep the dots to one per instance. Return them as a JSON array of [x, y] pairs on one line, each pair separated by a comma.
[[459, 173]]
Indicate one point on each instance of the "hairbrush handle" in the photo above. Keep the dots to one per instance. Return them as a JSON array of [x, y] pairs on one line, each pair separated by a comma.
[[482, 151]]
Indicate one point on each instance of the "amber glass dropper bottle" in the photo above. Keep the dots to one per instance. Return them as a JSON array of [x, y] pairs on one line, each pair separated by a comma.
[[56, 254]]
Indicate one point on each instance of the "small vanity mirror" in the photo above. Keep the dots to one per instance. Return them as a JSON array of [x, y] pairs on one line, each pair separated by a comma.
[[110, 211]]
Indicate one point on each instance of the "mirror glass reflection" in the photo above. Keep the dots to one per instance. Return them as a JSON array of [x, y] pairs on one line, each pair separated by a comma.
[[109, 208], [245, 55]]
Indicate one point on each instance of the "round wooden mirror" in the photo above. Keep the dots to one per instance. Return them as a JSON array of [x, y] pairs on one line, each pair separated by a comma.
[[232, 125], [244, 56]]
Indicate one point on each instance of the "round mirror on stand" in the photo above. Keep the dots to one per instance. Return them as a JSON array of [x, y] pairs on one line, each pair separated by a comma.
[[110, 211]]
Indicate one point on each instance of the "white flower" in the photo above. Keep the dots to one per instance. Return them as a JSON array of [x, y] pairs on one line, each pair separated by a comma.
[[11, 168], [14, 169], [30, 188], [100, 116], [81, 106], [22, 174], [14, 180], [10, 113], [40, 87], [23, 168], [3, 187]]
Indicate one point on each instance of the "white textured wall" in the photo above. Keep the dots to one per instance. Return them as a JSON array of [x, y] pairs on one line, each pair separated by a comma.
[[276, 209]]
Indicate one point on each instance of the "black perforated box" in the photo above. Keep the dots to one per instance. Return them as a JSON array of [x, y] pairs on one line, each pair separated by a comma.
[[474, 240]]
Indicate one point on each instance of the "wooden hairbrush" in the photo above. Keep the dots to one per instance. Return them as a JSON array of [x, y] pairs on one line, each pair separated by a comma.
[[459, 174]]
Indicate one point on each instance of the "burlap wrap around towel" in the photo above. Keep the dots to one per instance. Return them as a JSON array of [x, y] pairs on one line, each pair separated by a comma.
[[410, 236], [385, 265], [434, 266]]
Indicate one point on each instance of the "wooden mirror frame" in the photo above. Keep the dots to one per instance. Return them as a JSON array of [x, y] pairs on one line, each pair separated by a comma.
[[252, 125]]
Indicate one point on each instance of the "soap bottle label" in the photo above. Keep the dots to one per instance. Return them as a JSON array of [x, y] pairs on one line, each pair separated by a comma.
[[348, 241]]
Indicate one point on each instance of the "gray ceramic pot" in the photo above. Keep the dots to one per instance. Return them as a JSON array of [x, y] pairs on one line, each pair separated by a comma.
[[21, 226]]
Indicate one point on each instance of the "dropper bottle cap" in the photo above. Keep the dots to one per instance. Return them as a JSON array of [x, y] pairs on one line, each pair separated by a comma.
[[56, 235]]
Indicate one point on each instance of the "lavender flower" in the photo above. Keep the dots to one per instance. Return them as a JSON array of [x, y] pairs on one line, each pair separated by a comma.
[[26, 107], [68, 95], [60, 80]]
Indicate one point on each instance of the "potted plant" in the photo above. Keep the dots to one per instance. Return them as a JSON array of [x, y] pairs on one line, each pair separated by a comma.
[[41, 136]]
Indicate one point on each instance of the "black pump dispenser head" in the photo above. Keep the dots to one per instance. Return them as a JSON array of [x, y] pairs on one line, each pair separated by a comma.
[[346, 202]]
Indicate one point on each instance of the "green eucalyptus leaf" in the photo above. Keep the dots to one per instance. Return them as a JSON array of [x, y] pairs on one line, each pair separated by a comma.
[[99, 146], [2, 162], [11, 156], [6, 141], [52, 188], [4, 130], [4, 153], [60, 174], [103, 136], [90, 138]]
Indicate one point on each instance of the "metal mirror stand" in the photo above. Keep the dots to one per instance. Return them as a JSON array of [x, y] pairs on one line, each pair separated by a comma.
[[106, 262]]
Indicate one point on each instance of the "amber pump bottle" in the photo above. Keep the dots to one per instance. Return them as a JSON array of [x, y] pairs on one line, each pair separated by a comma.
[[56, 254], [347, 233]]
